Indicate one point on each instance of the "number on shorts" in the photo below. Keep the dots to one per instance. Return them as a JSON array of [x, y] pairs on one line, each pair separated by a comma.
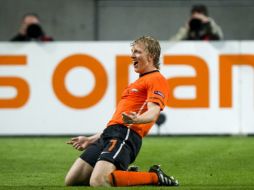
[[113, 144]]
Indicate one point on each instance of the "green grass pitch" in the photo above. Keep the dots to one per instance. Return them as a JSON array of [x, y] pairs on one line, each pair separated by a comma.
[[198, 162]]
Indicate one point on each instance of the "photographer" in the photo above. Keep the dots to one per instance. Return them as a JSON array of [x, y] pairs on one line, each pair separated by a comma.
[[199, 27], [34, 32], [31, 30]]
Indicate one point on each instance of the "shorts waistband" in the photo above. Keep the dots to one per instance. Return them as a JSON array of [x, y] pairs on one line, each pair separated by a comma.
[[125, 127]]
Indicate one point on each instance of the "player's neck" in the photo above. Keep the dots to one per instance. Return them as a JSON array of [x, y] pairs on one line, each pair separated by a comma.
[[152, 71]]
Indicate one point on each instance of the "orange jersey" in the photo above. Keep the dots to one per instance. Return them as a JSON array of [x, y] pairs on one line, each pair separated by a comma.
[[150, 87]]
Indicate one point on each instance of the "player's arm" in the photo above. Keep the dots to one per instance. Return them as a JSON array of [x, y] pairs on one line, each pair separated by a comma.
[[81, 142], [150, 115]]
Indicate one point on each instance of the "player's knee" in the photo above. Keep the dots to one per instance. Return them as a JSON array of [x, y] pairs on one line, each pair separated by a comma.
[[96, 182], [68, 181], [99, 181]]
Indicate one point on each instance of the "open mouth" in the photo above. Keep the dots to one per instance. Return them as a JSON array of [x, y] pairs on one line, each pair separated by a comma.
[[135, 63]]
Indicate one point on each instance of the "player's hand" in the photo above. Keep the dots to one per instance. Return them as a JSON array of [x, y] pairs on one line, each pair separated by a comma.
[[129, 118], [80, 143]]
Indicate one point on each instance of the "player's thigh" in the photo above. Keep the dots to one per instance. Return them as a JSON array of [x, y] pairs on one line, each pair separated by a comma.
[[122, 148], [101, 172], [79, 173]]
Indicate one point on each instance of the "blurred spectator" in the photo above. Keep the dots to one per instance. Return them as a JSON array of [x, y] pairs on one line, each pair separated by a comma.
[[199, 26], [31, 30]]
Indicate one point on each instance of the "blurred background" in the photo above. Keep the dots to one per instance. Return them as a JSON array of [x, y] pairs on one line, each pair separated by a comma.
[[89, 20]]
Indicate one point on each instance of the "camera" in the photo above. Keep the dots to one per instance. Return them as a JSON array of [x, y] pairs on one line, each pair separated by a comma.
[[199, 30], [196, 24], [34, 31]]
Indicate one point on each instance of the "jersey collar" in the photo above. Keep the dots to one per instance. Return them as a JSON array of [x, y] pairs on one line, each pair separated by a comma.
[[141, 75]]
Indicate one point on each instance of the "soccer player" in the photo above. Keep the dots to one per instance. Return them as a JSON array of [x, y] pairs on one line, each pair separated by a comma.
[[108, 154]]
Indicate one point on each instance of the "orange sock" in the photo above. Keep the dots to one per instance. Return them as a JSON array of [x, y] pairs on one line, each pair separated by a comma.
[[127, 178]]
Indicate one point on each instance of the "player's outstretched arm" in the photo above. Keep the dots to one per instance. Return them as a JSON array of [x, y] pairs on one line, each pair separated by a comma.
[[150, 115], [81, 142]]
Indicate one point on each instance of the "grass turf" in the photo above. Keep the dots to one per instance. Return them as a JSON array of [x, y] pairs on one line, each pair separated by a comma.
[[198, 162]]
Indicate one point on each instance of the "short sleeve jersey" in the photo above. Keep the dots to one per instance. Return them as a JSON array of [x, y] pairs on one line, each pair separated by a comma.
[[150, 87]]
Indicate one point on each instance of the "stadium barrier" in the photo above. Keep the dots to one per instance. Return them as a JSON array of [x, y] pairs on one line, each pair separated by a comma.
[[66, 88]]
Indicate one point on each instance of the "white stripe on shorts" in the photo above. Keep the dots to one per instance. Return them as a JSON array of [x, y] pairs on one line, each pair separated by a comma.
[[123, 143]]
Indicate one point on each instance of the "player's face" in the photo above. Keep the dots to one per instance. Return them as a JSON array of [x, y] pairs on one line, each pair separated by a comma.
[[141, 60]]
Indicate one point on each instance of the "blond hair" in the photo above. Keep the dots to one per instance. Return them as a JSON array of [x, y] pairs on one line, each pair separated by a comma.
[[152, 46]]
